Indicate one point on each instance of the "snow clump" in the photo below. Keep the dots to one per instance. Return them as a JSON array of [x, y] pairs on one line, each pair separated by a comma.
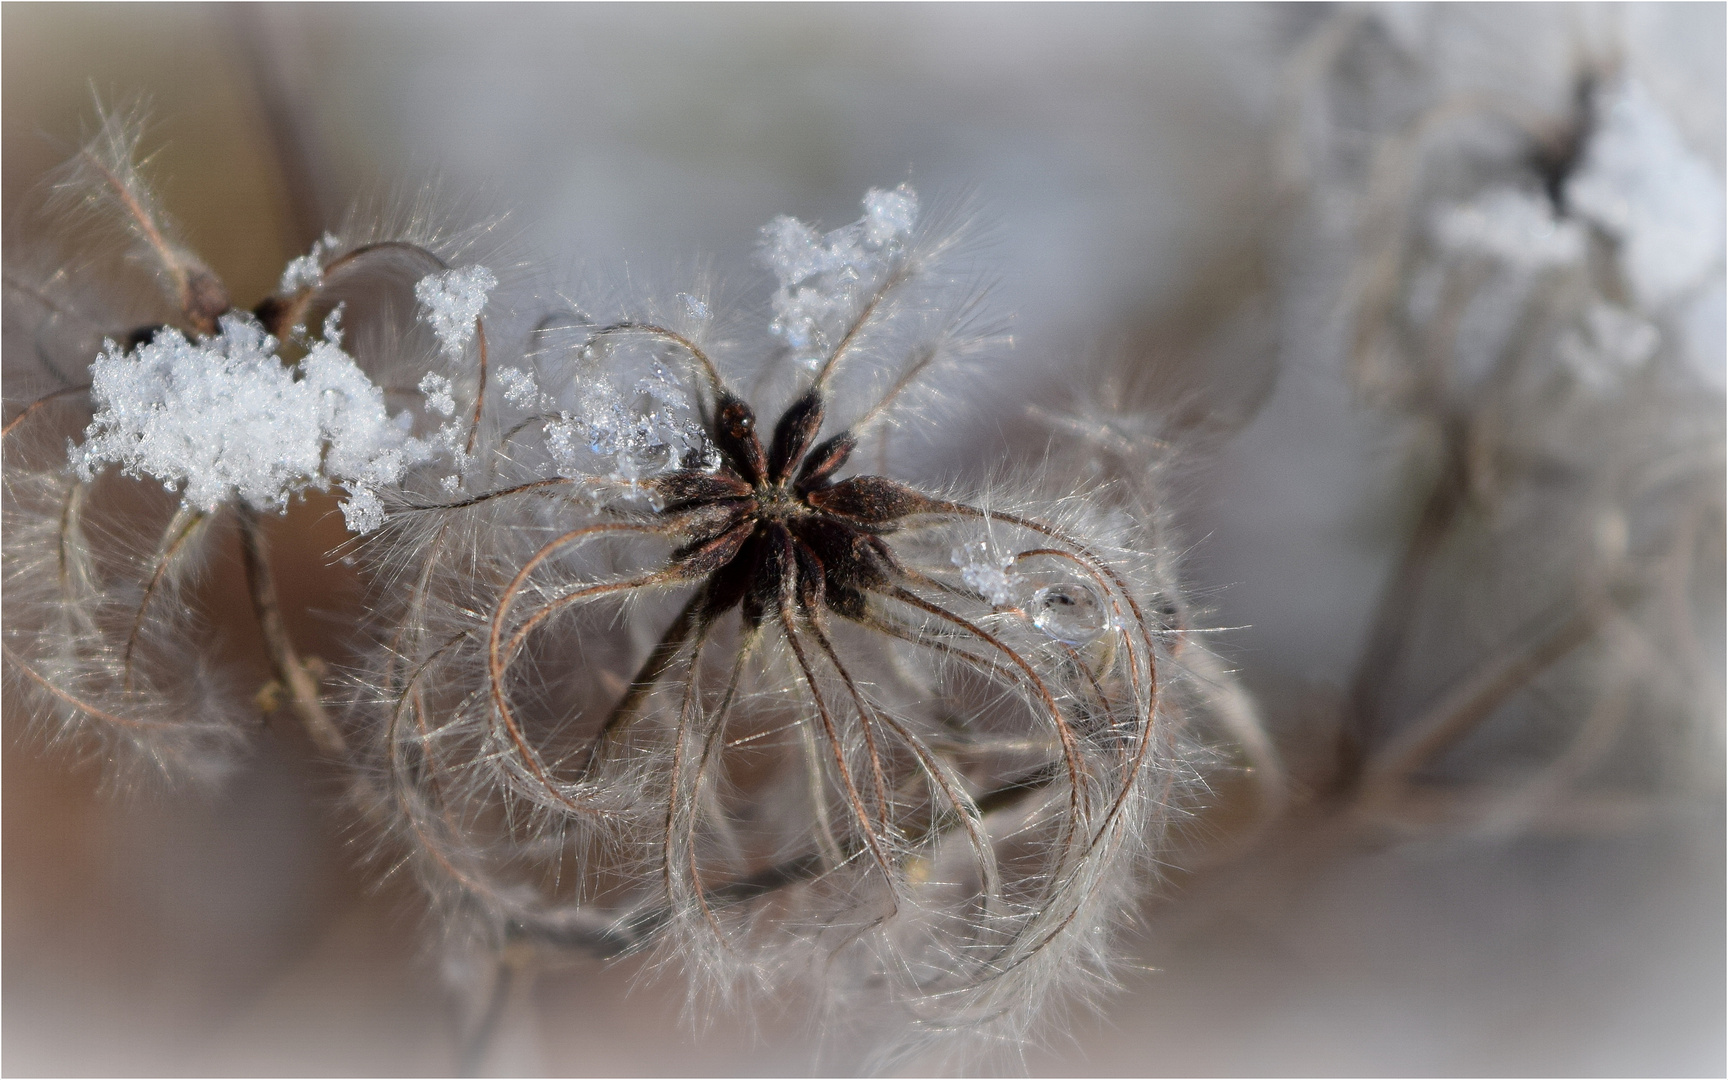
[[1642, 186], [307, 271], [222, 418], [1513, 227], [638, 433], [452, 300], [521, 389], [440, 394], [825, 279]]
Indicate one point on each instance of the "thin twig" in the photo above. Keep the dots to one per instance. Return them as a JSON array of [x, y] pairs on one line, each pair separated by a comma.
[[180, 529], [1461, 711], [303, 690], [509, 973], [38, 403], [1395, 614]]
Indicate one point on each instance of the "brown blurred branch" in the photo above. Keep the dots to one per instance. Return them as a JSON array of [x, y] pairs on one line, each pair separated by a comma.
[[280, 106], [303, 691], [1458, 713], [1393, 617]]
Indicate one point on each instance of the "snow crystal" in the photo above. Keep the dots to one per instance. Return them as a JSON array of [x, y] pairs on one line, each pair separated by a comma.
[[826, 279], [301, 272], [520, 389], [450, 441], [1641, 184], [452, 300], [987, 574], [440, 394], [222, 419], [1515, 227], [307, 271], [889, 215], [365, 447], [363, 512], [694, 307], [637, 434], [333, 324], [564, 443]]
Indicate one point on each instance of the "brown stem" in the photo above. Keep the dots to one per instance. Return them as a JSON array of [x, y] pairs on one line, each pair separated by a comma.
[[200, 296], [940, 777], [496, 661], [75, 702], [648, 676], [480, 387], [291, 142], [180, 529], [1460, 712], [1070, 749], [71, 509], [38, 403], [889, 284], [686, 714], [836, 748], [1081, 554], [303, 691], [913, 370], [1396, 612], [866, 713]]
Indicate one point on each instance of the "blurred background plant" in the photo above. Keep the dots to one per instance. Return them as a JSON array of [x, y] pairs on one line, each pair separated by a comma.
[[1415, 312]]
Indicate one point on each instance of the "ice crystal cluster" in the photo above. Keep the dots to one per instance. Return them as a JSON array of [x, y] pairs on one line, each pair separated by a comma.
[[646, 665], [223, 419], [631, 433], [824, 276], [452, 301]]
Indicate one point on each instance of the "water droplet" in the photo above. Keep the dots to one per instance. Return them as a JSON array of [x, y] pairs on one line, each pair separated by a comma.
[[1071, 612]]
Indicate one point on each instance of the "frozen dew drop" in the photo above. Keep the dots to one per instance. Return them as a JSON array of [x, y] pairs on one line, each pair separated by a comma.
[[1072, 612], [990, 575], [641, 462]]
